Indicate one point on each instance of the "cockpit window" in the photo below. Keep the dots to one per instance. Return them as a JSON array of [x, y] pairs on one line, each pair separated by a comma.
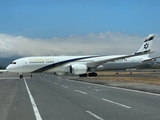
[[13, 62]]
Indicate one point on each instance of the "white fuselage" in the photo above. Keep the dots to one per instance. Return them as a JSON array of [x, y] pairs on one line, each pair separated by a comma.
[[46, 64], [60, 64], [123, 64]]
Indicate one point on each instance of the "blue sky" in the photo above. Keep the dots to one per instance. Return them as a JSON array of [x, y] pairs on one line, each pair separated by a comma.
[[77, 27], [62, 18]]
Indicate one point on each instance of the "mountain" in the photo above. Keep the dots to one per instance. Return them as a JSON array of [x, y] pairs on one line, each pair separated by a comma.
[[4, 62]]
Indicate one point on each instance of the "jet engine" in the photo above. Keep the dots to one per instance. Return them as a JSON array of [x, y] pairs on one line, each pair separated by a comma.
[[77, 69]]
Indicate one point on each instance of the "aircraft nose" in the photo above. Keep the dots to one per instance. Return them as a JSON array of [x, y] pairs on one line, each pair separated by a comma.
[[8, 68]]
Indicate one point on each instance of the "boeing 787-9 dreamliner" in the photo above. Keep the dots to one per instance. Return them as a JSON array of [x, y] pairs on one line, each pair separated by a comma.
[[76, 65]]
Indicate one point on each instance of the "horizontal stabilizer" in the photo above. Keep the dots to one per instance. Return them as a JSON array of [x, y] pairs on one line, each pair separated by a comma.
[[150, 59]]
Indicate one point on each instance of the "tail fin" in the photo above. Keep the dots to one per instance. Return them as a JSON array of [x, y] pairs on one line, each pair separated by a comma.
[[146, 46]]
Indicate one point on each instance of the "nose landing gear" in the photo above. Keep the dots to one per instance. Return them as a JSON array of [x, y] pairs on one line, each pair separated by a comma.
[[21, 76]]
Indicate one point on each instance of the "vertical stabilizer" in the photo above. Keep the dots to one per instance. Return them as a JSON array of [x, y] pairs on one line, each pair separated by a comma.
[[146, 46]]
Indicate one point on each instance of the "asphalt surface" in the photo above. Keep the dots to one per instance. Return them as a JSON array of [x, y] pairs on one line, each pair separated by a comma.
[[47, 97]]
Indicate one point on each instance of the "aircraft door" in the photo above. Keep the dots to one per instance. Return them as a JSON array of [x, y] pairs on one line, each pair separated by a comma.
[[25, 63]]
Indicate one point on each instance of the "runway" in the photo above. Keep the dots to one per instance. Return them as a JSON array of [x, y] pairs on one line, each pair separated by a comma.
[[47, 97]]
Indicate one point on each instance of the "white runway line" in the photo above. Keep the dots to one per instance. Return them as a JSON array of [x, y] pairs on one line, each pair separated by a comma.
[[56, 83], [81, 92], [35, 109], [118, 88], [94, 115], [115, 103], [59, 78], [64, 86], [9, 78]]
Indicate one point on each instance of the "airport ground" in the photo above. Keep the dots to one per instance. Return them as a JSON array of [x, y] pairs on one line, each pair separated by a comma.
[[143, 79], [113, 95]]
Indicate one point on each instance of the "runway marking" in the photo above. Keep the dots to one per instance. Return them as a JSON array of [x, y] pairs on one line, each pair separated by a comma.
[[142, 92], [35, 109], [115, 103], [59, 78], [97, 90], [64, 86], [9, 78], [94, 115], [49, 81], [125, 89], [56, 83], [81, 92]]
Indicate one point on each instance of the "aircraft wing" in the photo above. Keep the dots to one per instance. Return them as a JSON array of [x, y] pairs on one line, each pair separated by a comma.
[[100, 62]]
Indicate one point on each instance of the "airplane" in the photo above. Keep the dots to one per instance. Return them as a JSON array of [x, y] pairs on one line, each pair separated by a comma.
[[132, 62], [74, 65]]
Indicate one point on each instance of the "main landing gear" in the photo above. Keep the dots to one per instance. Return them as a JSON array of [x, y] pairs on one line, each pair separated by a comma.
[[93, 74], [83, 75]]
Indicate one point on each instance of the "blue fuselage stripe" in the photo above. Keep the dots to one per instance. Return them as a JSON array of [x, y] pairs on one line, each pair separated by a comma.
[[51, 66]]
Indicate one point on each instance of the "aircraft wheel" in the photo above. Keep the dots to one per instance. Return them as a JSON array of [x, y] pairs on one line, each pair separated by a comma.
[[21, 76], [92, 74], [83, 75]]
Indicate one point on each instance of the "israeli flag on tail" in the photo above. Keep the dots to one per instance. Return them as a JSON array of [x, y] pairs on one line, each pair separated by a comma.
[[146, 46]]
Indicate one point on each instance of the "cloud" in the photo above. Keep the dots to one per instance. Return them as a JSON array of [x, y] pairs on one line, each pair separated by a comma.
[[103, 43]]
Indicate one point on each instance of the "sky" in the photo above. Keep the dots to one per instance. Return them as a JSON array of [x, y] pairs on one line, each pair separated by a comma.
[[77, 27]]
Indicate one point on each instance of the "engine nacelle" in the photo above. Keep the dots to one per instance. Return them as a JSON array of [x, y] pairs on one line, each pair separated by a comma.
[[77, 69]]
